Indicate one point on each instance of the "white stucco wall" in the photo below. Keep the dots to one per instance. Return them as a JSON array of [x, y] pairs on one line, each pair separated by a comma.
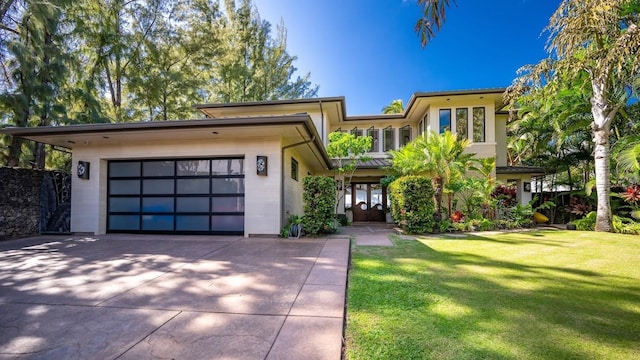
[[293, 204], [524, 197], [262, 193]]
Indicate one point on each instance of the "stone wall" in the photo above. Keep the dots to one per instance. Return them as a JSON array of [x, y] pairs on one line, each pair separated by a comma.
[[19, 202]]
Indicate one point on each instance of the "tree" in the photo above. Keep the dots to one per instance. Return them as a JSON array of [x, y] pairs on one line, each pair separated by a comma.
[[440, 156], [347, 150], [396, 107], [599, 39], [432, 19]]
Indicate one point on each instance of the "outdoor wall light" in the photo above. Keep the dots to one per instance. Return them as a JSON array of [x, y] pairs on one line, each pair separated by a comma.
[[83, 169]]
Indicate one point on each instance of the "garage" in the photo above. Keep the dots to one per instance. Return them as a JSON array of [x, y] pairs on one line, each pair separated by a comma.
[[190, 196]]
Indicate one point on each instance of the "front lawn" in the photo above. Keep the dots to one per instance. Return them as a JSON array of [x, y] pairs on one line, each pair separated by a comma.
[[532, 295]]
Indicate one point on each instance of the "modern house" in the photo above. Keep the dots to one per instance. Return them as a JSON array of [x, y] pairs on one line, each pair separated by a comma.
[[239, 170]]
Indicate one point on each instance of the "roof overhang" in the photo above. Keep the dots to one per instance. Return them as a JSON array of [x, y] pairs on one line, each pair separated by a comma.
[[292, 129], [334, 107]]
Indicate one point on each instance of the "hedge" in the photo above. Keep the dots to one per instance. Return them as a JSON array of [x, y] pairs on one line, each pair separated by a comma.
[[412, 204], [319, 204]]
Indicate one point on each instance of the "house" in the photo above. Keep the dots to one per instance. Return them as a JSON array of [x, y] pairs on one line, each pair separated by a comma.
[[240, 169]]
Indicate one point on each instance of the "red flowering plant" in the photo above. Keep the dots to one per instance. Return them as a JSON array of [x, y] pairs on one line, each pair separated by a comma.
[[632, 194], [457, 216], [578, 206]]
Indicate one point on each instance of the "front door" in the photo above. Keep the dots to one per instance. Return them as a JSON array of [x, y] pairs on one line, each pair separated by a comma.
[[368, 202]]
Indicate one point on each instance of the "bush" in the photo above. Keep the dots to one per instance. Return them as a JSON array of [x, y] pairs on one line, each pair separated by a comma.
[[412, 203], [319, 204]]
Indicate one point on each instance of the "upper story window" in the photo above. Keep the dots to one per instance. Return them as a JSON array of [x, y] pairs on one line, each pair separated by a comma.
[[405, 135], [420, 127], [375, 143], [356, 132], [445, 120], [462, 123], [463, 129], [478, 124], [389, 138]]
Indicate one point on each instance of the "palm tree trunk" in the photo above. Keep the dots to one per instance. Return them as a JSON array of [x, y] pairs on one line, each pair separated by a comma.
[[437, 197], [602, 115]]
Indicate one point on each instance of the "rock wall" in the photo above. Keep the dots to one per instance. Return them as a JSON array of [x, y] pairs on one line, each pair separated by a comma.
[[19, 202]]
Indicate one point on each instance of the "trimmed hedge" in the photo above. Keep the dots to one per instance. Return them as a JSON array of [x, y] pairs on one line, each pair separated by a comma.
[[412, 204], [319, 204]]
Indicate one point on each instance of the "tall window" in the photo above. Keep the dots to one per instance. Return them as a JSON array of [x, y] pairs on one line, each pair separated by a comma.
[[420, 127], [462, 123], [294, 169], [405, 135], [389, 141], [375, 142], [478, 124], [445, 120]]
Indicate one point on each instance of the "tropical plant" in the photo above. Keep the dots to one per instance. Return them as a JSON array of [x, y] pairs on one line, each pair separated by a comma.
[[599, 40], [441, 156], [347, 150], [432, 19], [412, 203], [396, 107]]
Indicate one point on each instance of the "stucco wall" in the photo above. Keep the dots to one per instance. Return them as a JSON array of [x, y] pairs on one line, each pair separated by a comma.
[[262, 193], [293, 204], [524, 197]]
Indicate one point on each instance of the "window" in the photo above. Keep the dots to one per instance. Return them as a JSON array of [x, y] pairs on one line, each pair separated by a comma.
[[389, 141], [420, 127], [356, 132], [405, 135], [375, 142], [294, 169], [478, 124], [445, 120], [462, 123]]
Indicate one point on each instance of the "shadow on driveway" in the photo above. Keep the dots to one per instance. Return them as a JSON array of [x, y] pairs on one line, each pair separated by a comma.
[[196, 297]]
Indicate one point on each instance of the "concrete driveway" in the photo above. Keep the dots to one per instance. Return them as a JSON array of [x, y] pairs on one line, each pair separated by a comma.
[[172, 297]]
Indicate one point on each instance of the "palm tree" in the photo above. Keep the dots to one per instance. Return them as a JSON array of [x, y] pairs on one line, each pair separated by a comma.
[[600, 40], [432, 20], [440, 156], [396, 107]]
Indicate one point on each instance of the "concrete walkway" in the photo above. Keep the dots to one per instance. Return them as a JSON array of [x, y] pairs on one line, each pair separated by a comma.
[[180, 297], [370, 234]]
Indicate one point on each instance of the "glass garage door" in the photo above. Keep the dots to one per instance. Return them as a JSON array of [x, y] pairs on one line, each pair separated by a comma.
[[200, 196]]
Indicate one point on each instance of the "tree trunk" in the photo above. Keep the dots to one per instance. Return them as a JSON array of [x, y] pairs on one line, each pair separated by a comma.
[[437, 197], [602, 115], [39, 156], [15, 149]]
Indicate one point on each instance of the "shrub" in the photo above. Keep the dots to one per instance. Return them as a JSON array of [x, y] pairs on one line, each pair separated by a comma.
[[412, 204], [319, 204]]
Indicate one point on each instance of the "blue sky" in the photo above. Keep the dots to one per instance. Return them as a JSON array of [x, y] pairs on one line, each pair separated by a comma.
[[368, 52]]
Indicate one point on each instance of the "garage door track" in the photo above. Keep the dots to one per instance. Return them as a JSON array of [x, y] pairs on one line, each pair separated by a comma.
[[180, 297]]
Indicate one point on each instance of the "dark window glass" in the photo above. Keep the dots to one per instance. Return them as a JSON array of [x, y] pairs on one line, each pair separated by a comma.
[[192, 204], [124, 169], [420, 127], [227, 204], [227, 186], [227, 166], [154, 204], [128, 204], [158, 168], [478, 124], [157, 222], [356, 132], [124, 222], [233, 223], [294, 169], [160, 186], [445, 120], [192, 223], [193, 167], [405, 135], [375, 142], [462, 123], [124, 187], [389, 141], [193, 186]]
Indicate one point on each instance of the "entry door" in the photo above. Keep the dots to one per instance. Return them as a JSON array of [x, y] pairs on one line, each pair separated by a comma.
[[369, 202]]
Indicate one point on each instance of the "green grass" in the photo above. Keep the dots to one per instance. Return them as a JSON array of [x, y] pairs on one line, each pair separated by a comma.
[[533, 295]]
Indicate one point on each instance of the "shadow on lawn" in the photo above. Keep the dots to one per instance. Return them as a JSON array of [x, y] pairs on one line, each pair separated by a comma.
[[464, 305]]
